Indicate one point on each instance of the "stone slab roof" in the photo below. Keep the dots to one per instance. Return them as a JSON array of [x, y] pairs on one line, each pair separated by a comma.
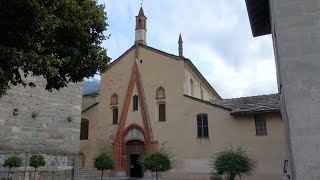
[[251, 104]]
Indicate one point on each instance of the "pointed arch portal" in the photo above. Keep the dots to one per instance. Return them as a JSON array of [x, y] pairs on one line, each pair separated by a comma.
[[141, 136]]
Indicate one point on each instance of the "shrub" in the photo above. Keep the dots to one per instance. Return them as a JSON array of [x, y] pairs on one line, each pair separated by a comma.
[[159, 161], [36, 161], [232, 163], [12, 161], [104, 161]]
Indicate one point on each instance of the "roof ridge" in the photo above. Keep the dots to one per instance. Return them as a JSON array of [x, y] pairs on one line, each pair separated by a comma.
[[243, 97]]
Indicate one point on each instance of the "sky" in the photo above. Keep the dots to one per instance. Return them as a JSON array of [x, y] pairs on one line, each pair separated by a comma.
[[216, 36]]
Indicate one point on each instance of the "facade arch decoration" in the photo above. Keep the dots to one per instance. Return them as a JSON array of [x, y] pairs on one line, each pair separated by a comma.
[[160, 93], [114, 99]]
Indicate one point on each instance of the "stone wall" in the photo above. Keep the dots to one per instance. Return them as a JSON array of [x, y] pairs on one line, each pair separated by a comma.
[[35, 121], [296, 36]]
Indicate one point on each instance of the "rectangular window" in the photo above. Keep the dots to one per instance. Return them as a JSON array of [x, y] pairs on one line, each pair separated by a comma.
[[84, 129], [135, 103], [202, 124], [115, 116], [261, 126], [162, 112]]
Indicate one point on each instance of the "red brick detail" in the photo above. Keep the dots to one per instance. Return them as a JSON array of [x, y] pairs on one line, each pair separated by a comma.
[[118, 148]]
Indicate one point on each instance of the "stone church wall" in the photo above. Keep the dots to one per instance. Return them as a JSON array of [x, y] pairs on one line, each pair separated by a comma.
[[35, 121], [296, 36]]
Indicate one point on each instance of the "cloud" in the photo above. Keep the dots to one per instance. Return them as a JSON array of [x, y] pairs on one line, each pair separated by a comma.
[[217, 38]]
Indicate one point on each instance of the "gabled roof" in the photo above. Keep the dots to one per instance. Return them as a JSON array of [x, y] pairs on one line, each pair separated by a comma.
[[251, 104], [161, 52], [146, 47], [89, 106], [247, 105]]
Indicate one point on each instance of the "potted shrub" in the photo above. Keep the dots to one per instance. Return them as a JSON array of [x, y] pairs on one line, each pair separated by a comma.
[[159, 161], [36, 161], [104, 161], [232, 163], [12, 161]]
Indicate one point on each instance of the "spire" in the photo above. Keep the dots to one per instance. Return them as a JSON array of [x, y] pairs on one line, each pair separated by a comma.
[[141, 28], [180, 46], [141, 13]]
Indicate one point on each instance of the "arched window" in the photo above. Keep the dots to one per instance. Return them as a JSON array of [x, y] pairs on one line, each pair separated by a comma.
[[139, 22], [114, 99], [202, 124], [84, 129], [191, 87], [160, 94], [135, 103]]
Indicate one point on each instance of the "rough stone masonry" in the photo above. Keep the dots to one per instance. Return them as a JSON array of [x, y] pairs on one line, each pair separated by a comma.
[[35, 121]]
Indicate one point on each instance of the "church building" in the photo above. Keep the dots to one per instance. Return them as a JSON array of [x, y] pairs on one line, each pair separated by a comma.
[[149, 97]]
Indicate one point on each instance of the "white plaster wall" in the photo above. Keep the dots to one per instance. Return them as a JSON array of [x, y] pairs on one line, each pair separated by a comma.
[[141, 34]]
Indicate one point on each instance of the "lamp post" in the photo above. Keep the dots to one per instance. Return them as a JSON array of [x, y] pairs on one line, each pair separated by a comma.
[[26, 160]]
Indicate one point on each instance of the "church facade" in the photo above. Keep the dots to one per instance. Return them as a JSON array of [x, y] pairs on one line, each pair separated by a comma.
[[148, 98]]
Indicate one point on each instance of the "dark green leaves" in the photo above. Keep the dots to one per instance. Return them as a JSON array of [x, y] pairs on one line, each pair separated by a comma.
[[104, 161], [58, 39], [158, 161], [37, 161], [232, 163], [12, 161]]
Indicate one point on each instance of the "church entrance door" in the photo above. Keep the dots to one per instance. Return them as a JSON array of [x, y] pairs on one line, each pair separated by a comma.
[[133, 151], [135, 168]]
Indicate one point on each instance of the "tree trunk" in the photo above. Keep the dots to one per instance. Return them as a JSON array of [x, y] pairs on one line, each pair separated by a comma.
[[232, 177], [156, 175], [102, 175], [35, 171], [8, 173]]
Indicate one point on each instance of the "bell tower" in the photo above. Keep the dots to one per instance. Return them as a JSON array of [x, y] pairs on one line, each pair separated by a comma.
[[141, 28]]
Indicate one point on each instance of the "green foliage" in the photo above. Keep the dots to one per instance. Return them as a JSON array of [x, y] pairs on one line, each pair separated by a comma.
[[158, 161], [104, 161], [37, 161], [232, 163], [57, 39], [12, 161]]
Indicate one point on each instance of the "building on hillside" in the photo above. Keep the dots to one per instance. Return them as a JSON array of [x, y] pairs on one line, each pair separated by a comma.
[[148, 97], [294, 26], [35, 121]]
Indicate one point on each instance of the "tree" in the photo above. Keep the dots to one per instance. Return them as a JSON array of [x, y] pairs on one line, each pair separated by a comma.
[[232, 163], [36, 161], [12, 161], [104, 161], [57, 39], [159, 161]]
